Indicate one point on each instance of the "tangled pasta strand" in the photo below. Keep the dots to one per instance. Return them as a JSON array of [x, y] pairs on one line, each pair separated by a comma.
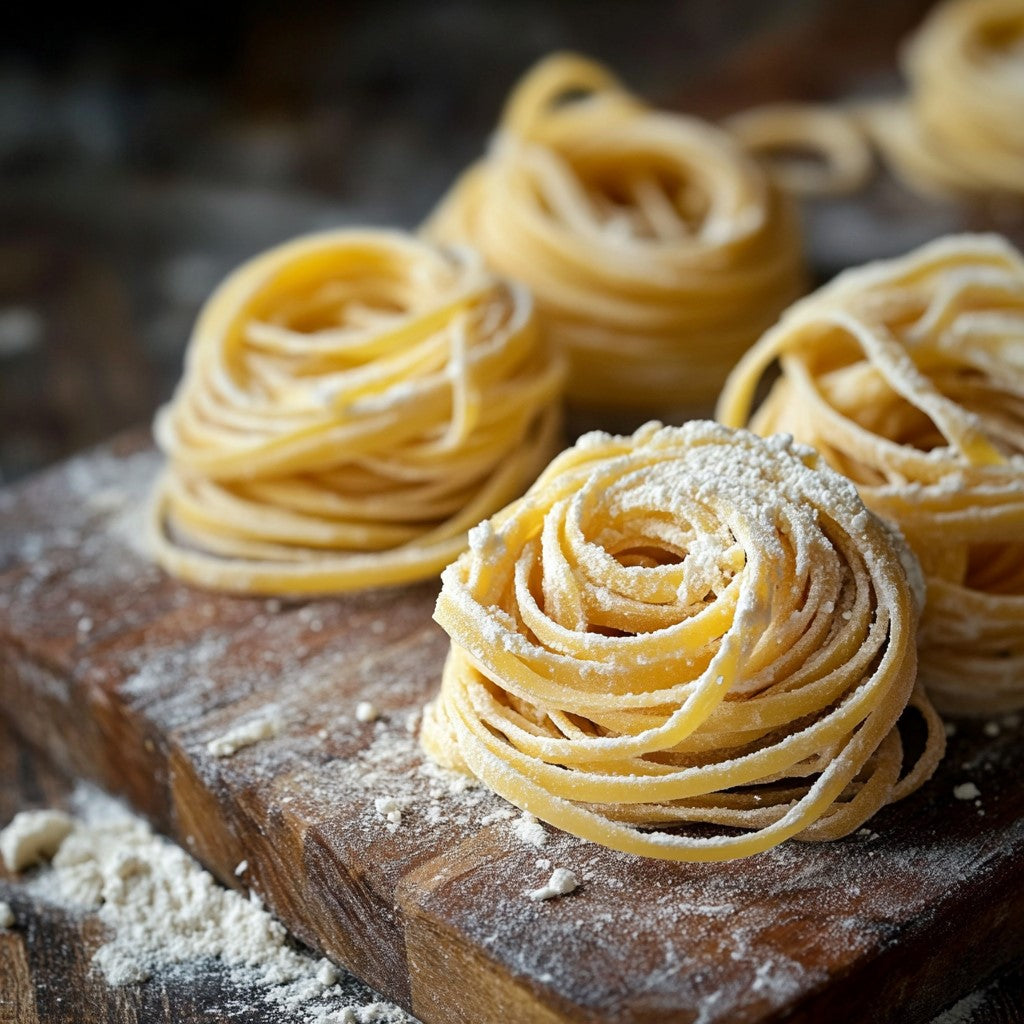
[[908, 376], [352, 403], [689, 626], [657, 250]]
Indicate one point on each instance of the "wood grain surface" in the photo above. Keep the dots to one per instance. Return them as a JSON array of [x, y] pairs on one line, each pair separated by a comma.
[[124, 676]]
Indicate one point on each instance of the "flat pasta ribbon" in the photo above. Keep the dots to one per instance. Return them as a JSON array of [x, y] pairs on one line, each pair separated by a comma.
[[657, 249], [352, 403], [958, 130], [686, 627], [908, 376]]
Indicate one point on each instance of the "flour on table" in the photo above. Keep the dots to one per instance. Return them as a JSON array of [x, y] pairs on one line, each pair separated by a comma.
[[366, 712], [32, 836], [390, 809], [966, 791], [6, 915], [244, 735], [561, 883], [529, 830], [161, 908]]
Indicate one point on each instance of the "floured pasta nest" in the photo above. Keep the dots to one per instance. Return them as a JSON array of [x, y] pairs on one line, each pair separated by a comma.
[[657, 249], [959, 128], [908, 376], [690, 643], [352, 403]]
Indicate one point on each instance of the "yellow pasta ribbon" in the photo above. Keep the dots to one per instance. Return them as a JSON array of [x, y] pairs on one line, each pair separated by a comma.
[[689, 643], [656, 248], [908, 376], [353, 402]]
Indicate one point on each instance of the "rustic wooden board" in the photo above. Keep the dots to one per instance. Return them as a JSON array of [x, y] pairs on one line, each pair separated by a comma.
[[124, 676]]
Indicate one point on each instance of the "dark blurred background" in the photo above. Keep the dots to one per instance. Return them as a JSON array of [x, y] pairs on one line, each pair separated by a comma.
[[144, 155]]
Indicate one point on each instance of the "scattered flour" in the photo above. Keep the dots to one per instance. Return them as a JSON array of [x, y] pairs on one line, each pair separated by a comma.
[[963, 1011], [366, 711], [160, 908], [241, 736], [561, 883], [33, 836], [391, 809], [529, 830], [966, 791], [6, 915]]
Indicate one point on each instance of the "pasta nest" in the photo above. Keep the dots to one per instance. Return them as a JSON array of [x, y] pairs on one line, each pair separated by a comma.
[[352, 403], [657, 249], [961, 128], [908, 376], [684, 627]]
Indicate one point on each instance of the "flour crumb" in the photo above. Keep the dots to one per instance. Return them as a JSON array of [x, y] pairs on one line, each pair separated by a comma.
[[242, 736], [966, 791], [366, 711], [529, 830], [950, 728], [991, 729], [6, 915], [561, 883], [241, 867], [33, 836], [272, 605], [327, 974], [388, 807]]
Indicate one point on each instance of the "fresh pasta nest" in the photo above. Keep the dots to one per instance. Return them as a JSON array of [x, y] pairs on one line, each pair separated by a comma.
[[958, 130], [657, 249], [686, 627], [961, 129], [352, 403], [908, 376]]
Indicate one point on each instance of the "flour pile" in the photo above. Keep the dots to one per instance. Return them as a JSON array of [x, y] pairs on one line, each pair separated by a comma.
[[161, 908]]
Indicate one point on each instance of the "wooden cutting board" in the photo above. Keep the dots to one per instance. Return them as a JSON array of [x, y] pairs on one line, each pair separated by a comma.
[[125, 677]]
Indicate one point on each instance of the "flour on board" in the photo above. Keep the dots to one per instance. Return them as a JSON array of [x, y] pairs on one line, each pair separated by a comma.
[[244, 735], [161, 908]]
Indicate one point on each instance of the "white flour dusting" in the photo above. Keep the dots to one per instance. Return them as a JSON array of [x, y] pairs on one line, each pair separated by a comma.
[[561, 883], [529, 830], [161, 908], [6, 915], [962, 1012], [32, 836], [241, 736], [366, 711]]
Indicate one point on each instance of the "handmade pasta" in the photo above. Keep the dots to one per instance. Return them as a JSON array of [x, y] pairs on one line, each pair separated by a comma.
[[352, 403], [959, 129], [687, 627], [908, 377], [657, 250]]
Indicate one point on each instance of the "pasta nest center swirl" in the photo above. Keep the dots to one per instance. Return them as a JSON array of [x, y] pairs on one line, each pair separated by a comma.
[[673, 615]]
